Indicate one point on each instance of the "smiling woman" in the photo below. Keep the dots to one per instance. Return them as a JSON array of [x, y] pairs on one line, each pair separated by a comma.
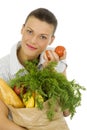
[[71, 33], [37, 33]]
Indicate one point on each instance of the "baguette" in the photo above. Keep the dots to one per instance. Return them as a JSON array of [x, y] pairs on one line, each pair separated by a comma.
[[8, 96]]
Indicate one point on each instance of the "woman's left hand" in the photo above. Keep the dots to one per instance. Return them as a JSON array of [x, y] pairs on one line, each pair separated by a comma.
[[50, 56]]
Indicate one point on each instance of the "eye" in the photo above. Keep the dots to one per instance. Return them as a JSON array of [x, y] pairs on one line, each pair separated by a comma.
[[43, 37], [29, 31]]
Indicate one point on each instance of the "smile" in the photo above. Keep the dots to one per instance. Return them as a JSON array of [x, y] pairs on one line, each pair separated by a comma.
[[31, 47]]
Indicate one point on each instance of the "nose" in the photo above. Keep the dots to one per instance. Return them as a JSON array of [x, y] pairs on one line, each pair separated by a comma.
[[34, 39]]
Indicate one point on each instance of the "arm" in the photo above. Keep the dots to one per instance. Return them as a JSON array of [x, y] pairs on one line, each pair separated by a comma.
[[5, 123]]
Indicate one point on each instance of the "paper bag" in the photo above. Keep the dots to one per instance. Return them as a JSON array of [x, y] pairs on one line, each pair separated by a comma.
[[35, 119]]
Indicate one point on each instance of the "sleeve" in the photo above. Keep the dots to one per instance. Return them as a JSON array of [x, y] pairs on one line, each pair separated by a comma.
[[61, 66]]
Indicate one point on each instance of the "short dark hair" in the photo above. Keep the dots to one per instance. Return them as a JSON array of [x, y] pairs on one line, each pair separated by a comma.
[[44, 15]]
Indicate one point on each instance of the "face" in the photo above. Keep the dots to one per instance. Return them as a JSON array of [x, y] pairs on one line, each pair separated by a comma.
[[36, 36]]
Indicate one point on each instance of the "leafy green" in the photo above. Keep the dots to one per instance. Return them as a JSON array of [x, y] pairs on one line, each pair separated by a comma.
[[50, 85]]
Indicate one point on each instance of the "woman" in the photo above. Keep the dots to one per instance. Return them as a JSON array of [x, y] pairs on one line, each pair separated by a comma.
[[37, 33]]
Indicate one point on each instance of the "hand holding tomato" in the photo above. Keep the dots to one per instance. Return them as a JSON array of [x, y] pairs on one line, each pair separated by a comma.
[[60, 51], [51, 55]]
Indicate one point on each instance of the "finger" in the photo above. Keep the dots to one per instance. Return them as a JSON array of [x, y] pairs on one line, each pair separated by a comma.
[[55, 56], [51, 55], [45, 57]]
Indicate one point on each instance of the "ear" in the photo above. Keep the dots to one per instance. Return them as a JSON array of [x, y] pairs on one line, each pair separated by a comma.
[[22, 29], [52, 39]]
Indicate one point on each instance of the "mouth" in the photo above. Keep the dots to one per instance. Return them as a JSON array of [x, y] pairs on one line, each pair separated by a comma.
[[31, 47]]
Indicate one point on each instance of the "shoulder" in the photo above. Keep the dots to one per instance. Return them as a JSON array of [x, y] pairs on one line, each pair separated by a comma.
[[4, 67], [8, 64], [4, 61]]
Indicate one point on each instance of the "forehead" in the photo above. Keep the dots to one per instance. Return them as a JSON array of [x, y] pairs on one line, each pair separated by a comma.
[[39, 26]]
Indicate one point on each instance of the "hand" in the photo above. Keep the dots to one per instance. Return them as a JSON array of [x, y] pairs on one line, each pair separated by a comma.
[[3, 108], [66, 113], [5, 123], [64, 56], [50, 56]]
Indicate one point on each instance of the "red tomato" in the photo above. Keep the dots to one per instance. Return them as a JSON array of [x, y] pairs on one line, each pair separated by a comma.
[[17, 90], [60, 50]]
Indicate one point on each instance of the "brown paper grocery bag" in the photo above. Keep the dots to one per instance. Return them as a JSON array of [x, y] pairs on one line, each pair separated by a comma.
[[35, 119]]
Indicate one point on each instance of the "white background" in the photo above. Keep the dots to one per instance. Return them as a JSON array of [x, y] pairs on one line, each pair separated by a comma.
[[71, 32]]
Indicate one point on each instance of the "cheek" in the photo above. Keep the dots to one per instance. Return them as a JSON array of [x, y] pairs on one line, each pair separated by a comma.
[[25, 38], [43, 45]]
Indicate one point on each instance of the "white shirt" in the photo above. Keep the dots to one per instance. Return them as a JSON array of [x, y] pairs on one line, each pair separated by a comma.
[[9, 65]]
